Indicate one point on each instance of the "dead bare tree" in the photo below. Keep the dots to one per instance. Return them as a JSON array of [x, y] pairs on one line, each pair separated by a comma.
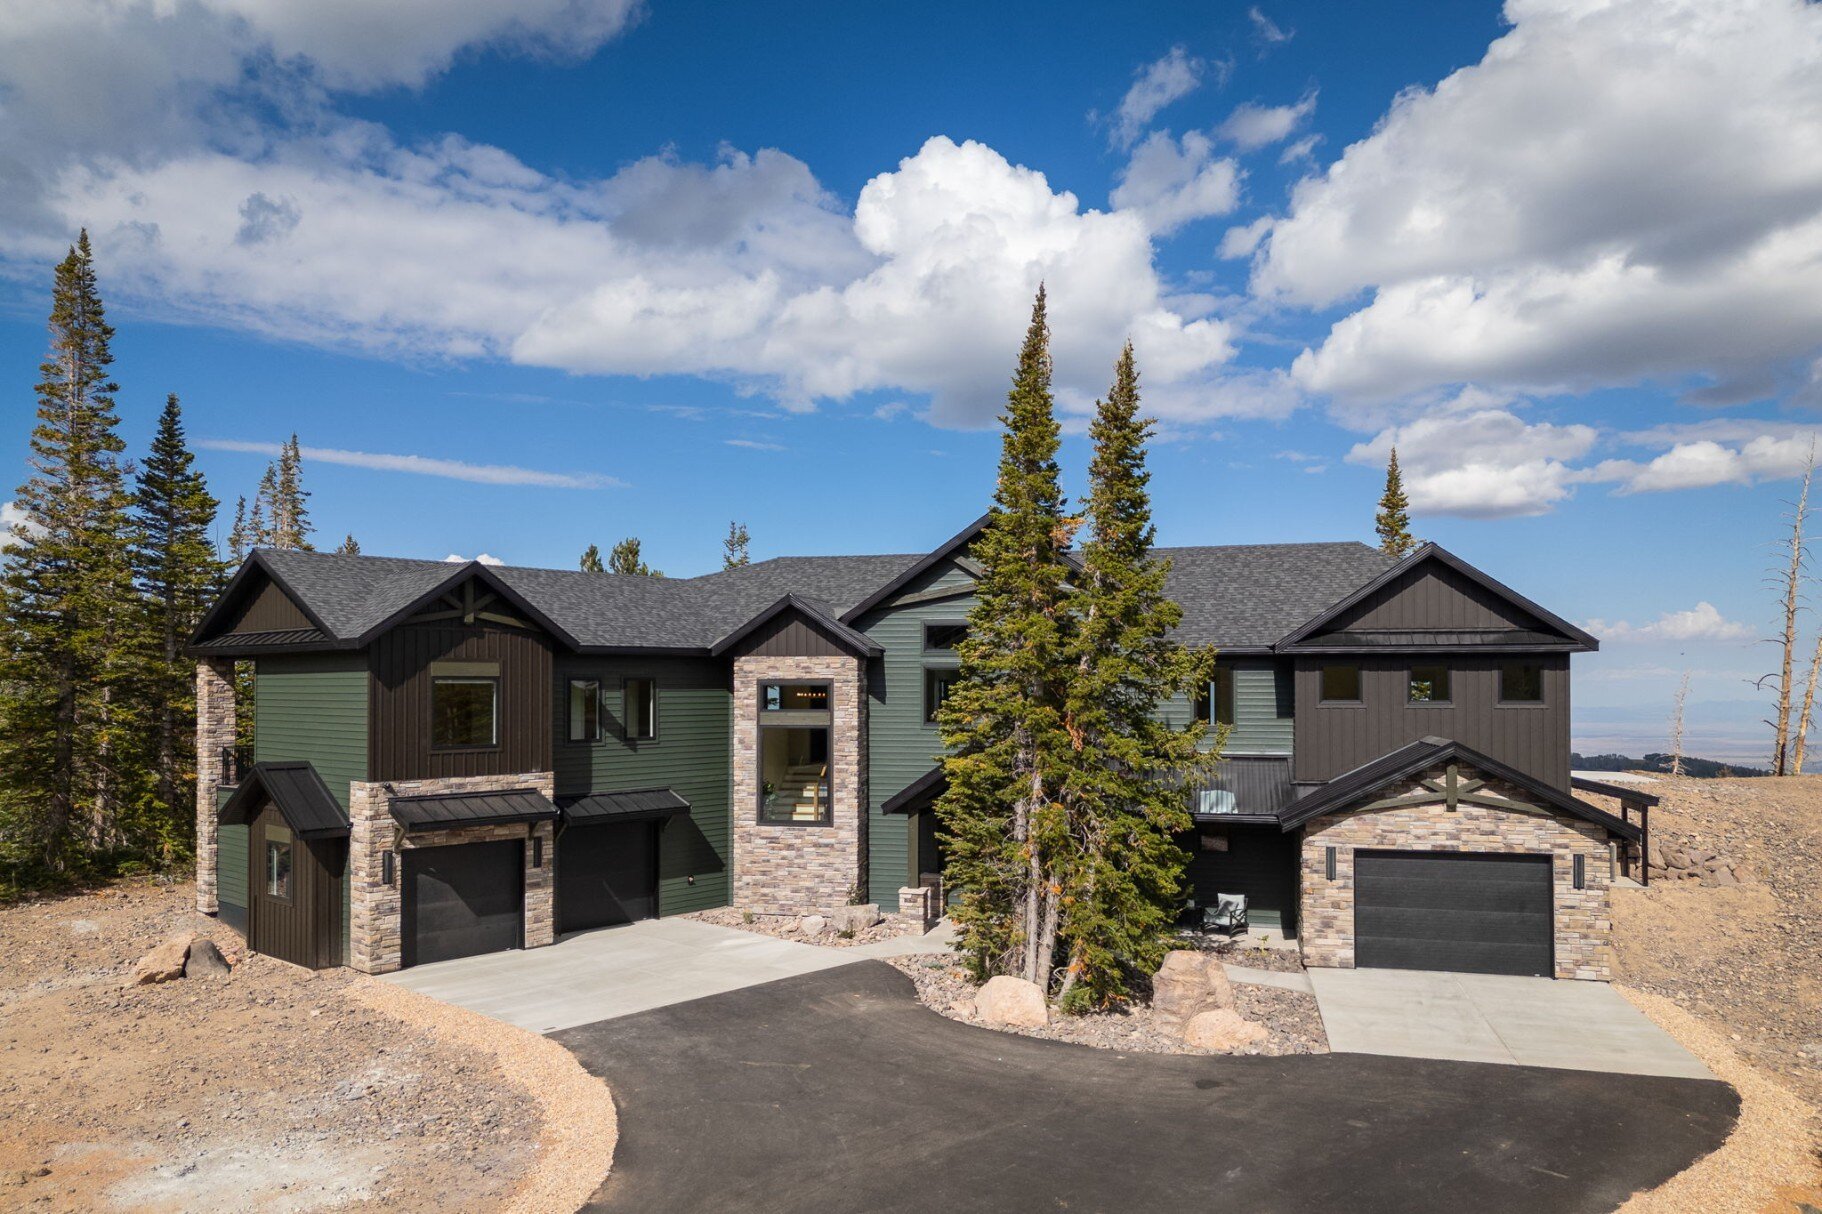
[[1803, 719], [1791, 579], [1676, 727]]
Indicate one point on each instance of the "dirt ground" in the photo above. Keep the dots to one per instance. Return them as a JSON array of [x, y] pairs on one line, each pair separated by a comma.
[[269, 1089]]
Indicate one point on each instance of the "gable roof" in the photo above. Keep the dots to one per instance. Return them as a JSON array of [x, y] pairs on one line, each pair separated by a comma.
[[917, 569], [1341, 793], [298, 793], [857, 643], [1246, 596], [1424, 554]]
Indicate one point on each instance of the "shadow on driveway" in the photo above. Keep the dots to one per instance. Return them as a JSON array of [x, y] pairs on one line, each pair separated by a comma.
[[838, 1091]]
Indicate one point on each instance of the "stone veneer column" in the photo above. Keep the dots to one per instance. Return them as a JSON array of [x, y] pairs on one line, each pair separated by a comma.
[[1582, 918], [215, 723], [376, 909], [795, 870]]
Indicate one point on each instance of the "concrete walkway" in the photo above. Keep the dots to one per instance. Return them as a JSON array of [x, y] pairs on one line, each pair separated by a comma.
[[1579, 1026], [616, 971]]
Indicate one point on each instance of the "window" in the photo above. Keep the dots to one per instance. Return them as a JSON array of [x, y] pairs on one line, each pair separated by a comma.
[[278, 863], [641, 710], [938, 682], [584, 710], [1341, 683], [1429, 685], [1521, 683], [1215, 706], [943, 638], [463, 712], [794, 785]]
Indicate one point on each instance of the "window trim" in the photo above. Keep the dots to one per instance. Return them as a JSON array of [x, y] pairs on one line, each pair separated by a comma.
[[289, 843], [1542, 700], [459, 748], [569, 709], [626, 731], [929, 624], [793, 719], [1448, 681], [953, 673], [1359, 700]]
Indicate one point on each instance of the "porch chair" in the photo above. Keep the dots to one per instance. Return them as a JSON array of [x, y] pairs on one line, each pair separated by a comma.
[[1227, 915]]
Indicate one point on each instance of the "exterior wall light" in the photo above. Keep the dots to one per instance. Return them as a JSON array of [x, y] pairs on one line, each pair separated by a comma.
[[537, 851], [1581, 871], [1329, 863], [388, 867]]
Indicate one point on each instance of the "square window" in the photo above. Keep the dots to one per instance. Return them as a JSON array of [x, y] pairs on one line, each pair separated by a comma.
[[1429, 685], [1521, 683], [278, 863], [943, 638], [463, 712], [938, 682], [1341, 683], [584, 710], [641, 710]]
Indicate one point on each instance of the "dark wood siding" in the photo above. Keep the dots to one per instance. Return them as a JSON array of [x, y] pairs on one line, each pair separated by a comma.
[[1434, 597], [1336, 738], [269, 609], [305, 929], [790, 635], [400, 738]]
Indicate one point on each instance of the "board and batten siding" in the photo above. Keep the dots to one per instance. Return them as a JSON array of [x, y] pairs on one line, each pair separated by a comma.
[[690, 755], [313, 707], [1432, 597], [402, 679], [269, 609], [1336, 738], [901, 746]]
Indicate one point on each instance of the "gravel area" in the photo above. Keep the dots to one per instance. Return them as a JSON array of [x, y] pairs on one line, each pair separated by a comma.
[[787, 927], [271, 1088], [1292, 1019], [1239, 952]]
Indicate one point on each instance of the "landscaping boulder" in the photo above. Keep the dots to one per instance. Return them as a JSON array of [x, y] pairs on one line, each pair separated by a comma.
[[1013, 1002], [1187, 983], [205, 960], [812, 925], [857, 919], [1222, 1031], [164, 963]]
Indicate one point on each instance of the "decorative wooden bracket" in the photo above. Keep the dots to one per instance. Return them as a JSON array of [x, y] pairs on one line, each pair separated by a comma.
[[1454, 792]]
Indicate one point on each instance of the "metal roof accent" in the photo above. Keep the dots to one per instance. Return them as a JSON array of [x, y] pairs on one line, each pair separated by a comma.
[[1391, 640], [630, 805], [444, 811], [298, 793], [1622, 792], [931, 784], [1260, 785], [279, 639]]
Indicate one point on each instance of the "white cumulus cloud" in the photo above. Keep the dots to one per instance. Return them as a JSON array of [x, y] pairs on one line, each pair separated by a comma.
[[1170, 182], [1253, 126], [1703, 622], [456, 558], [1157, 84], [1479, 460]]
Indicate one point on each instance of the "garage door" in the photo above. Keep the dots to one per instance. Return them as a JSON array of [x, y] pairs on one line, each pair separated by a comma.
[[606, 875], [1446, 911], [462, 900]]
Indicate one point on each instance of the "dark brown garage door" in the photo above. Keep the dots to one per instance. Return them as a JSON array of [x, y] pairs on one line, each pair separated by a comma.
[[606, 875], [1478, 914], [462, 900]]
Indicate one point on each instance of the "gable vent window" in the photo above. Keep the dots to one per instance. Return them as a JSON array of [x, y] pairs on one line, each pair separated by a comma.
[[1521, 683], [1429, 685], [641, 710], [1341, 683]]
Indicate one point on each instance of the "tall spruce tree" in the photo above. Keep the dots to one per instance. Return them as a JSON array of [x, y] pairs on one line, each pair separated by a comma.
[[591, 560], [240, 535], [1393, 522], [66, 592], [259, 528], [1002, 824], [625, 558], [1124, 787], [177, 572], [290, 511], [734, 547], [349, 546]]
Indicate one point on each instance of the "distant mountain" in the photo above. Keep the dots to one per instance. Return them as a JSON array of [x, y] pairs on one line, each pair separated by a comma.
[[1701, 769]]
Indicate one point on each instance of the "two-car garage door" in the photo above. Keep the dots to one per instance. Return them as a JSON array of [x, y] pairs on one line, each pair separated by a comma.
[[1482, 914]]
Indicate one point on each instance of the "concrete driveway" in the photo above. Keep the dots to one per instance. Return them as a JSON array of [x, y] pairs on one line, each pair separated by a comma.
[[1580, 1026], [837, 1091], [615, 971]]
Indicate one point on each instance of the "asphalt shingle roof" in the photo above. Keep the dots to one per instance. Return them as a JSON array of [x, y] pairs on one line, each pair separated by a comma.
[[1250, 595]]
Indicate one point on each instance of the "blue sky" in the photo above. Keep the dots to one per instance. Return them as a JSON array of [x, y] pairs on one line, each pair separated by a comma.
[[526, 277]]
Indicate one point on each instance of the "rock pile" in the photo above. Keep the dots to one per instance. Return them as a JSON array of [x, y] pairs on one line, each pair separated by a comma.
[[1192, 997], [1693, 862], [187, 954]]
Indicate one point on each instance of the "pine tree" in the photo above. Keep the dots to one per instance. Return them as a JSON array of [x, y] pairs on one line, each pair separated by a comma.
[[259, 531], [625, 559], [1123, 790], [240, 536], [66, 593], [591, 560], [734, 547], [1393, 522], [349, 546], [290, 514], [177, 573], [1001, 823]]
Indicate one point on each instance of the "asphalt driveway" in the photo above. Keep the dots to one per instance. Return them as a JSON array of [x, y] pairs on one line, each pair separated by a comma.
[[837, 1091]]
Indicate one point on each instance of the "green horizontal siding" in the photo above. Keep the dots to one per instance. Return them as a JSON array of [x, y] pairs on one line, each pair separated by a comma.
[[900, 746], [313, 707], [231, 865], [689, 755]]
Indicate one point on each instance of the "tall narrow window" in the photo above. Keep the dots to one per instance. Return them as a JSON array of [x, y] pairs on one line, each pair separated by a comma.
[[1215, 706], [938, 681], [1429, 684], [584, 710], [1521, 683], [278, 862], [463, 712], [795, 788], [641, 710], [1341, 683]]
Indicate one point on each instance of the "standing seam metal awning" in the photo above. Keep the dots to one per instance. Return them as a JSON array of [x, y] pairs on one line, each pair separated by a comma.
[[449, 811], [631, 805]]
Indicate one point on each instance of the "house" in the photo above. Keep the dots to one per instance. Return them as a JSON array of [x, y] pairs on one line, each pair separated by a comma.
[[457, 758]]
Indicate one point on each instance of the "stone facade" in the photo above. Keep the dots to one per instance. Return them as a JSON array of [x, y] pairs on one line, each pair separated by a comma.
[[375, 908], [789, 869], [215, 723], [917, 904], [1583, 921]]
